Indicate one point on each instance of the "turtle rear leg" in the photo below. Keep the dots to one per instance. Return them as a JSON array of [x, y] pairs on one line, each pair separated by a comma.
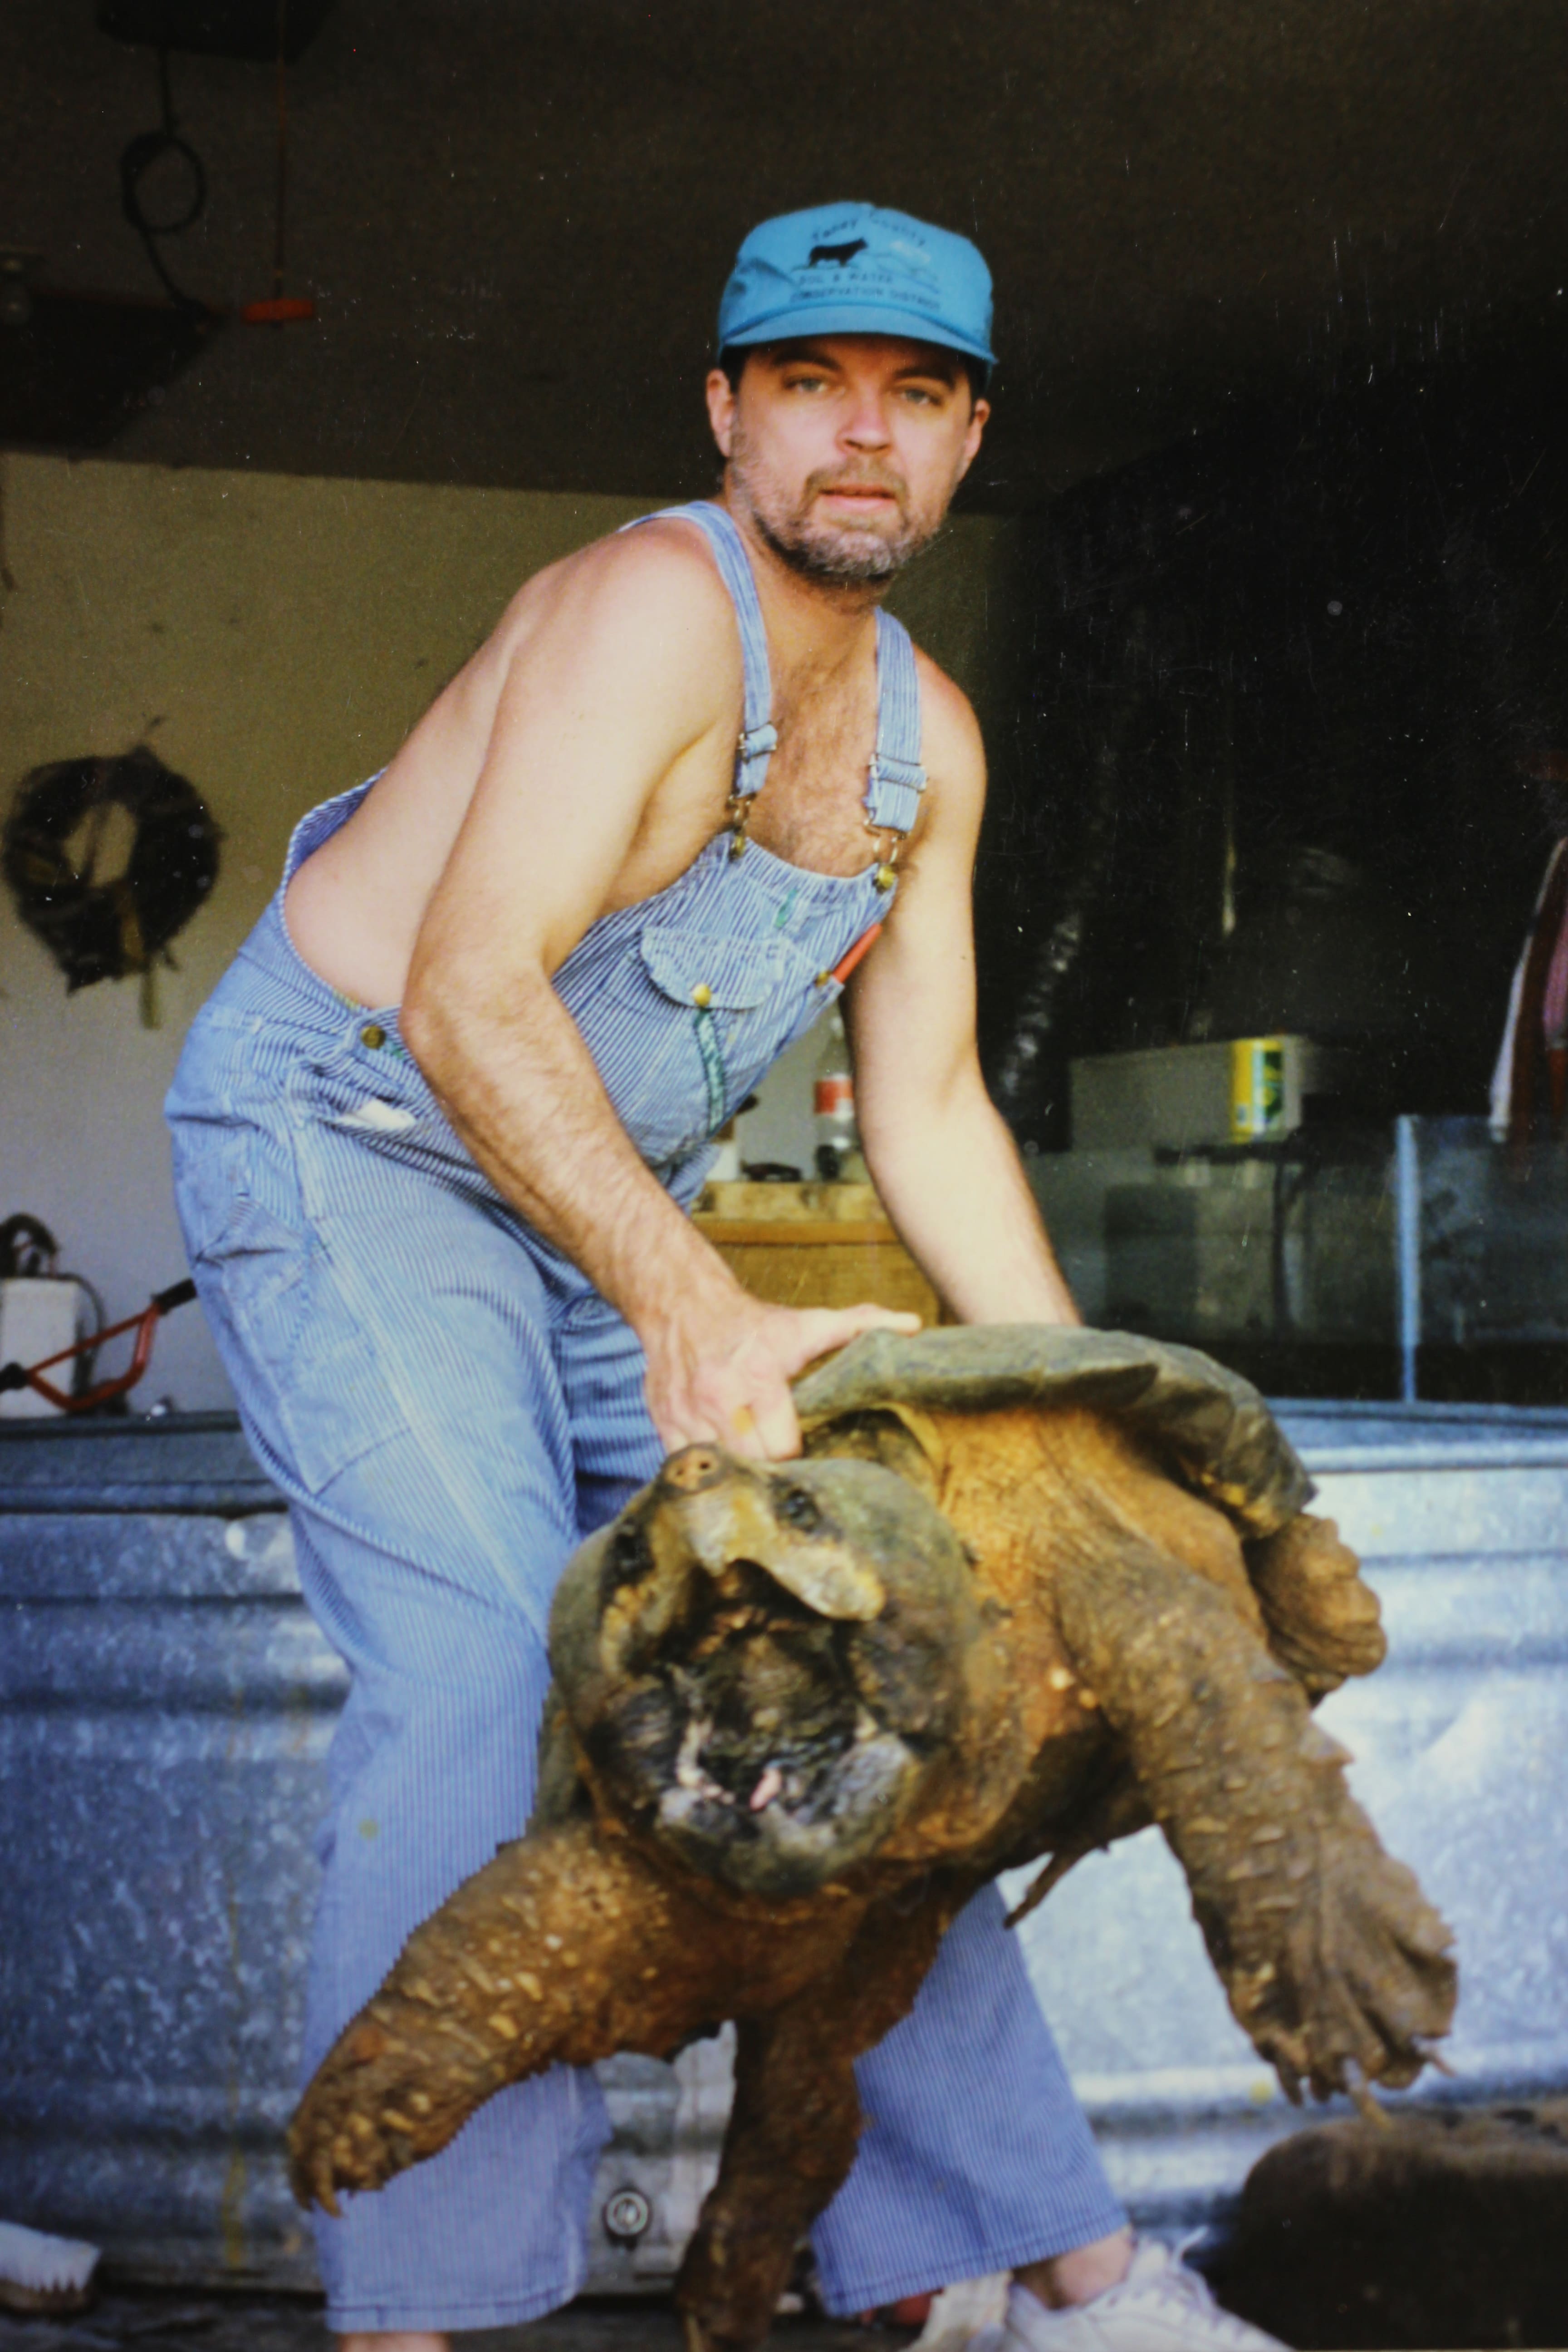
[[1332, 1959], [562, 1949], [790, 2144], [796, 2120]]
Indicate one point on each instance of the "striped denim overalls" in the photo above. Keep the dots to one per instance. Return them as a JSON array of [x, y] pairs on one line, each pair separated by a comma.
[[450, 1406]]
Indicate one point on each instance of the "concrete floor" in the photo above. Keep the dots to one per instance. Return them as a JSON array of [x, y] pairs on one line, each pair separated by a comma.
[[150, 2321]]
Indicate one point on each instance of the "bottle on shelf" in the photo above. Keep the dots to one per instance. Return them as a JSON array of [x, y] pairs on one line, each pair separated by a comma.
[[838, 1156]]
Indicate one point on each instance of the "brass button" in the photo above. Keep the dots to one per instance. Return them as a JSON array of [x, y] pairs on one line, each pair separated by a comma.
[[701, 995], [822, 980], [372, 1036], [884, 878]]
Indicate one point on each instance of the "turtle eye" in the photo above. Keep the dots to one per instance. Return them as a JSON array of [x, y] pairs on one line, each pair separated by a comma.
[[627, 1561], [798, 1510]]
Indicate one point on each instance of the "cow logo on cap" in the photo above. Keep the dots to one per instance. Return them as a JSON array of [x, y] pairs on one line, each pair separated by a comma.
[[856, 270]]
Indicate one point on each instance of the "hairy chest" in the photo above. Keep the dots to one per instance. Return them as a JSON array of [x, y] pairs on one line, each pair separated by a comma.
[[812, 809]]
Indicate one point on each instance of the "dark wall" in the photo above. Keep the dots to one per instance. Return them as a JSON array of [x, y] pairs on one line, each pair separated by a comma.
[[515, 215], [1300, 665]]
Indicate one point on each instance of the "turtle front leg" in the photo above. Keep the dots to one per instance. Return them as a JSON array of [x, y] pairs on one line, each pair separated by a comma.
[[796, 2119], [559, 1949], [1332, 1959]]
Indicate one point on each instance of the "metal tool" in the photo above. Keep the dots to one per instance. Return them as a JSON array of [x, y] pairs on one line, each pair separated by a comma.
[[144, 1325]]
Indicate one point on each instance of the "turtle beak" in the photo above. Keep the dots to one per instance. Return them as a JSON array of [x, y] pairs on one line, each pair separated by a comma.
[[777, 1522]]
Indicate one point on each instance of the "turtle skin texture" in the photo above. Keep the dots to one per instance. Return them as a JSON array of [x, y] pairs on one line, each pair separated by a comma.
[[1026, 1590]]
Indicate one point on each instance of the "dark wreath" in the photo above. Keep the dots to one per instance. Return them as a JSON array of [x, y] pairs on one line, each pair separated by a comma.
[[104, 930]]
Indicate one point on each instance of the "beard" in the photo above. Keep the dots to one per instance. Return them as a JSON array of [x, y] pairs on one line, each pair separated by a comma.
[[839, 555]]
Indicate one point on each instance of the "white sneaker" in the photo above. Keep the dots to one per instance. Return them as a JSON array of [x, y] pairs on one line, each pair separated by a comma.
[[1159, 2306], [964, 2315]]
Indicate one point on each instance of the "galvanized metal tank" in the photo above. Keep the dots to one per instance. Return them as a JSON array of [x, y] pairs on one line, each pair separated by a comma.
[[1461, 1749], [165, 1703]]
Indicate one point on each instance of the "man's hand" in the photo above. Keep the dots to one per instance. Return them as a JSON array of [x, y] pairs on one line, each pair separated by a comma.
[[720, 1371]]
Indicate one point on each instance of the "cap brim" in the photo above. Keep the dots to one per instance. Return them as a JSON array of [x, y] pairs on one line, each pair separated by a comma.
[[795, 320]]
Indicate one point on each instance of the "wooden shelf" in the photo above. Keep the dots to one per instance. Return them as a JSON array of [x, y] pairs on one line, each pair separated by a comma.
[[785, 1233], [799, 1259]]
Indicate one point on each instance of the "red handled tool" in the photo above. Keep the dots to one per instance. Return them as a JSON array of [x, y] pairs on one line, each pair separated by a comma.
[[31, 1376], [277, 308], [862, 947]]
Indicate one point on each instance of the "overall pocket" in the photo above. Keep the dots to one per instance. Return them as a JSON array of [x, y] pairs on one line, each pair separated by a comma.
[[682, 1028]]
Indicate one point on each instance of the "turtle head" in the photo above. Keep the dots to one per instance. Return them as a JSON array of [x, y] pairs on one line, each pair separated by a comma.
[[763, 1664]]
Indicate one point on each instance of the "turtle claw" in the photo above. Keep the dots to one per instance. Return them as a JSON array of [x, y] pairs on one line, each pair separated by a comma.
[[1360, 1981], [1367, 2107], [337, 2138], [321, 2190]]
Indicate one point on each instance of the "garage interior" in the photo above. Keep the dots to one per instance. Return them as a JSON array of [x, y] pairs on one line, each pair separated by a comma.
[[1259, 587], [1257, 584]]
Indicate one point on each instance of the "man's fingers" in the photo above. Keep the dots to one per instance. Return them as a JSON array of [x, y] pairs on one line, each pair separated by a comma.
[[767, 1431], [823, 1328], [738, 1397], [850, 1320], [743, 1435], [760, 1432], [889, 1318], [777, 1429]]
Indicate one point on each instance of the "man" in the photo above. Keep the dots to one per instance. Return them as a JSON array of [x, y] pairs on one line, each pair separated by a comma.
[[445, 1247]]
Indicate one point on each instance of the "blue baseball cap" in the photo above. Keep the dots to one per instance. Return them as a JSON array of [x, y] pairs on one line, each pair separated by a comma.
[[854, 269]]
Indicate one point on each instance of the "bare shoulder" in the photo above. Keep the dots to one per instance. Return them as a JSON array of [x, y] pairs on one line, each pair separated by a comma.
[[950, 746], [654, 586], [613, 663]]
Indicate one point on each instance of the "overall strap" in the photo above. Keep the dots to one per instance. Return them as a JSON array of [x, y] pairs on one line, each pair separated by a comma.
[[759, 737], [897, 778]]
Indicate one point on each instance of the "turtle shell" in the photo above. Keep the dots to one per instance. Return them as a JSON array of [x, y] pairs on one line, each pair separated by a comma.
[[1212, 1427]]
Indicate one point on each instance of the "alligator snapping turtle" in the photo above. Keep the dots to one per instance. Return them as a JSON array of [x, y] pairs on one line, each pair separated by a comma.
[[1027, 1589]]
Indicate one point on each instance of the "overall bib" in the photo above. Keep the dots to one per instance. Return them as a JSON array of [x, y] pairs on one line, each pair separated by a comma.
[[450, 1407]]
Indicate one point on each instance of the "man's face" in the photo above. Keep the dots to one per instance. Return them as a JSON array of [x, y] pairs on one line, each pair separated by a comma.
[[845, 450]]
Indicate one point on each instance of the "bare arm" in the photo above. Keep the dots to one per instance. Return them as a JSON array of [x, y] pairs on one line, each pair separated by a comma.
[[943, 1159], [622, 677]]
